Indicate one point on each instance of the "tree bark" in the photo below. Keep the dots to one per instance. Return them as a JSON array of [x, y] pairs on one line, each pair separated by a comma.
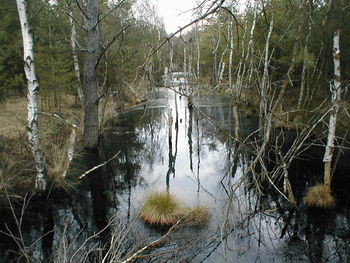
[[73, 43], [32, 97], [90, 87], [264, 85], [198, 58], [230, 34], [335, 89]]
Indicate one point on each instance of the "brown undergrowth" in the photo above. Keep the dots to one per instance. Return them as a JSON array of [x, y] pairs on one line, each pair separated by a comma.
[[17, 166]]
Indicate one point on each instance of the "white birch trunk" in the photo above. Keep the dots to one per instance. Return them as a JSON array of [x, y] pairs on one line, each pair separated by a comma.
[[264, 83], [70, 149], [240, 71], [73, 43], [185, 61], [230, 33], [198, 54], [32, 97], [251, 44], [303, 74], [171, 55], [222, 70], [190, 68], [336, 92]]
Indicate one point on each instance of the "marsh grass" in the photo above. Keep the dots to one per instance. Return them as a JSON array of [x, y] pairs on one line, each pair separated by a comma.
[[17, 167], [17, 164], [198, 215], [319, 196], [164, 209], [59, 163], [161, 208]]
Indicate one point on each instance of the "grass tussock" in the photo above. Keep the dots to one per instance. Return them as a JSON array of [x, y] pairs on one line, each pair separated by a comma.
[[198, 215], [319, 196], [161, 208], [58, 159]]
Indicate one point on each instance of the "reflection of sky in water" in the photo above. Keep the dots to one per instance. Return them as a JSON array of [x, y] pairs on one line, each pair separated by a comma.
[[185, 182], [250, 237], [203, 184]]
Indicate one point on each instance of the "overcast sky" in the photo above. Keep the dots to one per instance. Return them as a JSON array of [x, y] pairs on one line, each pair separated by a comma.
[[174, 12], [177, 13]]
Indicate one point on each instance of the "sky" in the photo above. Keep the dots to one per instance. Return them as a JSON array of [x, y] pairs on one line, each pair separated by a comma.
[[175, 13]]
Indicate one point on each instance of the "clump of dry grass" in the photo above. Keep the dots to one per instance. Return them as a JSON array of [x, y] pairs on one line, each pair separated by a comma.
[[319, 196], [58, 168], [161, 208], [198, 215]]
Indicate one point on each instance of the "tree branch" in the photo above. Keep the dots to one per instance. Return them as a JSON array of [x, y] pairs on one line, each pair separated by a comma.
[[109, 44], [110, 11], [86, 16], [98, 166]]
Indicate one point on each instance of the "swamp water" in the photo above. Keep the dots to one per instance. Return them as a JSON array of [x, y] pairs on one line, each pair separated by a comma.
[[195, 164]]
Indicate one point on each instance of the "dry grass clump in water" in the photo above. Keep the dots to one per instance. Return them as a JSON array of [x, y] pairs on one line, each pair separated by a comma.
[[319, 196], [161, 208], [199, 215]]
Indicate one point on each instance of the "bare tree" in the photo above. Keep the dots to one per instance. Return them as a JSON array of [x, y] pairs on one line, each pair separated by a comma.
[[90, 86]]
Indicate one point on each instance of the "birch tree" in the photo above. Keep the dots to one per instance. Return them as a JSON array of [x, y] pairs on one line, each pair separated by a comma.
[[73, 43], [32, 98], [336, 92], [320, 195]]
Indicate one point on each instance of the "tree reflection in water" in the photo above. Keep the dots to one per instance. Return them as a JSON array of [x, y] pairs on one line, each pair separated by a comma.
[[244, 226]]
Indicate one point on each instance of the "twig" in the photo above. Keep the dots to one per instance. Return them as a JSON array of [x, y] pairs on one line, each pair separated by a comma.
[[59, 117], [98, 166], [82, 11], [153, 243]]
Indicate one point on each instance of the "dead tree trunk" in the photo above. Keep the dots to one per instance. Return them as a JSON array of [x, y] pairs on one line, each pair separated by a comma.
[[90, 86], [32, 97]]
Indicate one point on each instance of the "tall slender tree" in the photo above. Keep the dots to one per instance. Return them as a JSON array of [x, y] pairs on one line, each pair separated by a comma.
[[73, 43], [33, 90], [90, 85]]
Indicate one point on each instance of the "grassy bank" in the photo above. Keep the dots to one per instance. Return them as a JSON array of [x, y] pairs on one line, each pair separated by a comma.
[[17, 166]]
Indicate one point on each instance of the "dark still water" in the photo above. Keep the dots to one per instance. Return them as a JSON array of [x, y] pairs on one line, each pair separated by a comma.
[[168, 144]]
